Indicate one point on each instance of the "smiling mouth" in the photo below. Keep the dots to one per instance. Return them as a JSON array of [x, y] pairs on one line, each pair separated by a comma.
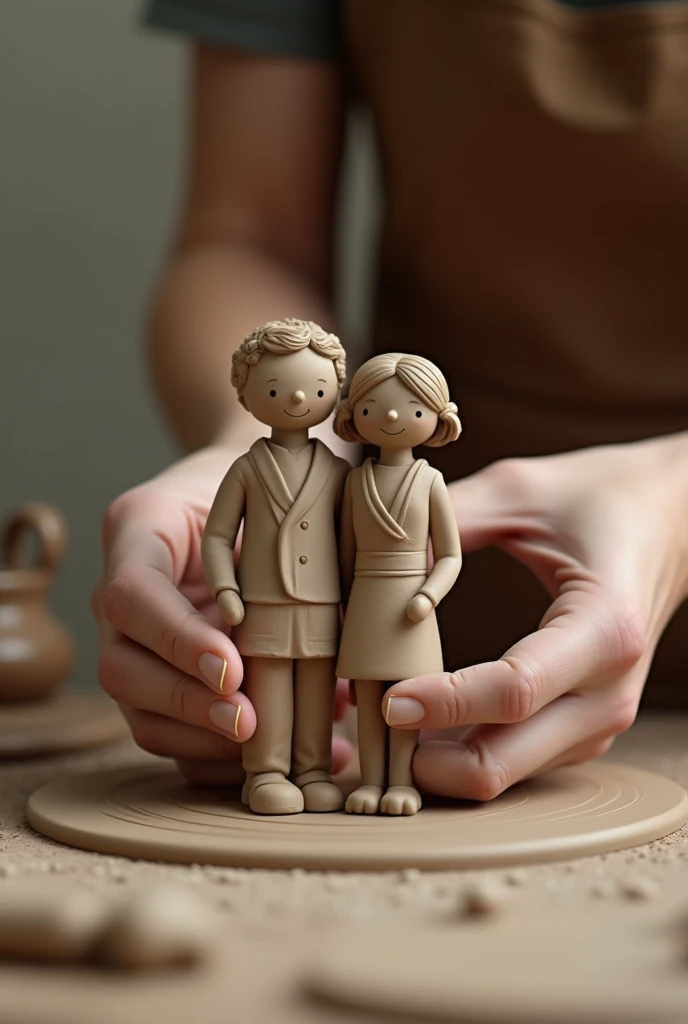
[[297, 416], [392, 433]]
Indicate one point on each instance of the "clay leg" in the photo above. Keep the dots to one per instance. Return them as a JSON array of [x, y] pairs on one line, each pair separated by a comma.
[[372, 748], [312, 745], [266, 757], [401, 797]]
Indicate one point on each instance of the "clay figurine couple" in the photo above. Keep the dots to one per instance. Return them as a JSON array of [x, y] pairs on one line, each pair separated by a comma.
[[319, 536]]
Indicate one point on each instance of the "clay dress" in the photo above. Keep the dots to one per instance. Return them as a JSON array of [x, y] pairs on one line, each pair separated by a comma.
[[389, 551]]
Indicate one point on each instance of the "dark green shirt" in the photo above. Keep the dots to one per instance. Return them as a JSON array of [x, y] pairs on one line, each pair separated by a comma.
[[300, 28]]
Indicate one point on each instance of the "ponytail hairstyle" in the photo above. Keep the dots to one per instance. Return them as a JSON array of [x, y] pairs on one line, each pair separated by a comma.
[[420, 376]]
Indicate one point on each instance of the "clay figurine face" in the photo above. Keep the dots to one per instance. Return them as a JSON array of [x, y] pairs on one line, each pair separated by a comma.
[[292, 392], [391, 416]]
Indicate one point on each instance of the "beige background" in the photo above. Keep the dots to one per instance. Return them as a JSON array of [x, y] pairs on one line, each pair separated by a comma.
[[91, 151]]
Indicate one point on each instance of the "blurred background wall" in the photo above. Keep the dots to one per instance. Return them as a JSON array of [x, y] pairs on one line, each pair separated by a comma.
[[91, 163]]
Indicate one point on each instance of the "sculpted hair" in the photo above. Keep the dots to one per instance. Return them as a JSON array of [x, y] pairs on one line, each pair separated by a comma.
[[420, 376], [281, 337]]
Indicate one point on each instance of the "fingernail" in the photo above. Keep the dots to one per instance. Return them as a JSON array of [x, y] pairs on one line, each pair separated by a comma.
[[213, 668], [403, 711], [225, 716]]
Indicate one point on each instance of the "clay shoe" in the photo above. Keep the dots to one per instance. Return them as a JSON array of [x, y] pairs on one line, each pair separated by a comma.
[[320, 794], [271, 793]]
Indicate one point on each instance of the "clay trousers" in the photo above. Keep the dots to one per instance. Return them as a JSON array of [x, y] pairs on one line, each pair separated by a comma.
[[294, 705]]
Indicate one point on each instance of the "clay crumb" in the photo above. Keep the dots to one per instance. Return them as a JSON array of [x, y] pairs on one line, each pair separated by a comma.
[[481, 899], [410, 875], [601, 890], [515, 878], [639, 889], [6, 870]]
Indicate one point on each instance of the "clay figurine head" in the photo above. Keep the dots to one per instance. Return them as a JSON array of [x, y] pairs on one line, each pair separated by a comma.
[[292, 393], [398, 401]]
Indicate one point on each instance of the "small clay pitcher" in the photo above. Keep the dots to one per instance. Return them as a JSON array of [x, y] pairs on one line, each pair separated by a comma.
[[36, 652]]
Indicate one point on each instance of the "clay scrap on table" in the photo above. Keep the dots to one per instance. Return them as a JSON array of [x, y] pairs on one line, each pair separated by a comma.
[[161, 927]]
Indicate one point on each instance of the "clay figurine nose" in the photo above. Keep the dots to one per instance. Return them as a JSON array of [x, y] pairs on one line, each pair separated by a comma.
[[298, 397], [392, 415]]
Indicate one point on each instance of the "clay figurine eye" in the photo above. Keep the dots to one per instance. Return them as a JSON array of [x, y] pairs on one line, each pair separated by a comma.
[[365, 412], [418, 414], [273, 393], [321, 393]]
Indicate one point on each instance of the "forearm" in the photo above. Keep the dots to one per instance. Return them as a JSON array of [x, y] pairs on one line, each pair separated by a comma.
[[442, 578], [210, 296]]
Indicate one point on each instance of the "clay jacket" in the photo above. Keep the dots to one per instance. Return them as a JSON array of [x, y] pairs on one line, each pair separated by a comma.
[[289, 547]]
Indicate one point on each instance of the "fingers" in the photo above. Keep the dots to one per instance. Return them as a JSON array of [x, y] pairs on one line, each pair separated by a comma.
[[221, 774], [341, 753], [498, 498], [169, 738], [490, 758], [137, 678], [229, 774], [582, 642], [143, 603]]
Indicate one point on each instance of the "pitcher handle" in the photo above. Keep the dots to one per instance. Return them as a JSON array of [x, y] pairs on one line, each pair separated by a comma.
[[50, 526]]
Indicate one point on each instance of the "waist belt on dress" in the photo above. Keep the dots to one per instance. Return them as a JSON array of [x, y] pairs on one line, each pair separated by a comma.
[[391, 563]]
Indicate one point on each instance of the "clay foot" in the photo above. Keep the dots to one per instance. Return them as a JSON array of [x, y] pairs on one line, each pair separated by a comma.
[[401, 800], [271, 793], [364, 800], [320, 795]]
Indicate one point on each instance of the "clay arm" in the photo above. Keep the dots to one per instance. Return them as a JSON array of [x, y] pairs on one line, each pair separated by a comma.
[[219, 540], [347, 542], [446, 548]]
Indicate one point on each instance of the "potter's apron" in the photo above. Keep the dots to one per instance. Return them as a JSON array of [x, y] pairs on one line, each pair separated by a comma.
[[535, 157]]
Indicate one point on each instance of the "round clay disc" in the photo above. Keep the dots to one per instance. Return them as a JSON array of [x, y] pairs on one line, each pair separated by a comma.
[[539, 965], [153, 814], [69, 721]]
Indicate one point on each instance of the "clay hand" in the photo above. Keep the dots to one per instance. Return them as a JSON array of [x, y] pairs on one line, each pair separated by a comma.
[[231, 606], [606, 532], [419, 607]]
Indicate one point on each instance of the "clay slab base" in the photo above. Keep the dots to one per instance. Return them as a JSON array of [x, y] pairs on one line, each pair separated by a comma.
[[69, 721], [152, 814], [613, 965]]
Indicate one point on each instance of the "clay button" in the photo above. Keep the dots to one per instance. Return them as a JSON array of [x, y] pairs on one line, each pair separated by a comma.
[[304, 525], [303, 559]]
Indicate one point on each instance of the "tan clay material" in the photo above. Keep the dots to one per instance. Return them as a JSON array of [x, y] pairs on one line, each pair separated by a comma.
[[165, 926], [393, 507], [36, 652], [618, 966], [282, 601], [69, 721], [570, 812], [48, 923]]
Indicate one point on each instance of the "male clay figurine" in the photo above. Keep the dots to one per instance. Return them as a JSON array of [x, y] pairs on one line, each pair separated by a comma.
[[283, 601]]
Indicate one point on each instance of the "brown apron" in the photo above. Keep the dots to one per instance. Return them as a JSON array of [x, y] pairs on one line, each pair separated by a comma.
[[535, 162]]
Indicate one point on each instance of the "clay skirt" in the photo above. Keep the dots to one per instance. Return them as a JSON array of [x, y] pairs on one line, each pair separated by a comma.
[[288, 631], [379, 641]]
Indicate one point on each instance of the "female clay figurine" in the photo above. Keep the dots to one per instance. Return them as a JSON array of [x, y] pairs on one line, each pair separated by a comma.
[[391, 507], [283, 600]]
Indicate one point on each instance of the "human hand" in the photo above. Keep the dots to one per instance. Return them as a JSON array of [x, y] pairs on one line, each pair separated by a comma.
[[163, 642], [231, 606], [165, 655], [605, 530], [419, 607]]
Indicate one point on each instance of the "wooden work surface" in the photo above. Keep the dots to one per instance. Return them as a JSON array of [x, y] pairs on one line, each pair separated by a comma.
[[274, 918]]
